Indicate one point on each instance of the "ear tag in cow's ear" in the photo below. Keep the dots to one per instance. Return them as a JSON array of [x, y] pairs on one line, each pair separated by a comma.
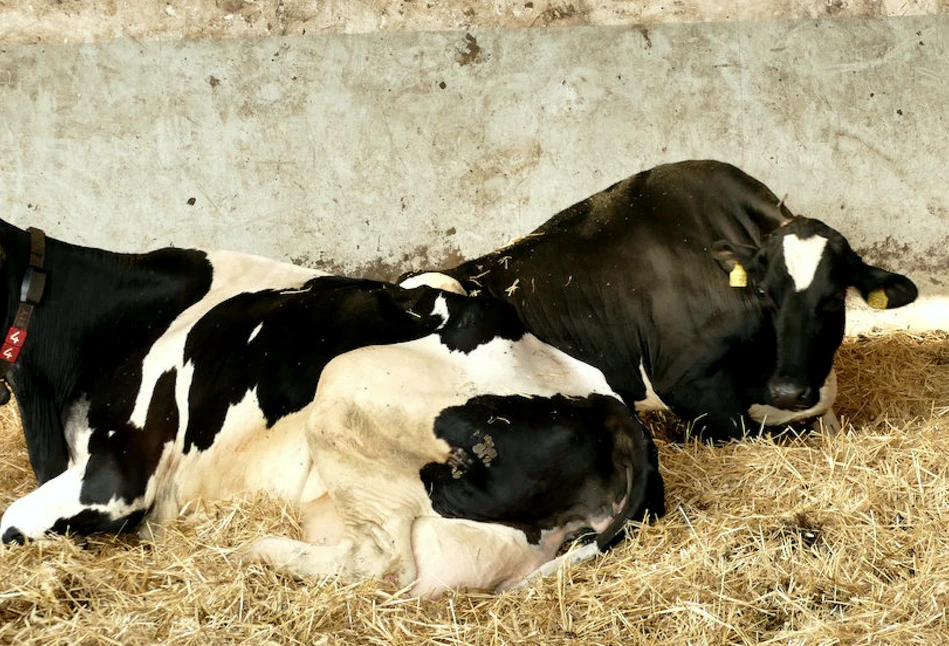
[[737, 276], [877, 299]]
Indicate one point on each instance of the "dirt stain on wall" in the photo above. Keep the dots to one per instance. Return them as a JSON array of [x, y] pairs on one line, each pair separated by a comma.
[[564, 15], [93, 20], [389, 269], [893, 255], [470, 51]]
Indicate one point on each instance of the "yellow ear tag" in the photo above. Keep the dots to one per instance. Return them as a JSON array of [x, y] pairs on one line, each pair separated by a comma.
[[738, 278], [877, 299]]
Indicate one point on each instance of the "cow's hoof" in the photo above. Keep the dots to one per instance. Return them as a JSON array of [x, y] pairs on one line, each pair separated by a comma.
[[827, 424], [13, 535]]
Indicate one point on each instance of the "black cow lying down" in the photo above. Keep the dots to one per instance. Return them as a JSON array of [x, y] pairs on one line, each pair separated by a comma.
[[693, 288], [426, 437]]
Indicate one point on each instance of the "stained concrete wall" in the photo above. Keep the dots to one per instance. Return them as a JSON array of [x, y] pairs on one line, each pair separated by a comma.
[[76, 21], [370, 154]]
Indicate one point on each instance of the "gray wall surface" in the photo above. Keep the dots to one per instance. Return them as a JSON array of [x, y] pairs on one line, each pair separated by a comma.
[[372, 154]]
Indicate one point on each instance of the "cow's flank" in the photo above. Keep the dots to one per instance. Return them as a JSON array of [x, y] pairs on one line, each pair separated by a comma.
[[402, 421]]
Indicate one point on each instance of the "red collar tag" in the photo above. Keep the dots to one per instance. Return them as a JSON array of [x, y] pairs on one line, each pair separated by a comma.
[[12, 344]]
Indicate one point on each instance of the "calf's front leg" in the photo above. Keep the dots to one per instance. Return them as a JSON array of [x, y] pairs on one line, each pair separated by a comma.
[[71, 502]]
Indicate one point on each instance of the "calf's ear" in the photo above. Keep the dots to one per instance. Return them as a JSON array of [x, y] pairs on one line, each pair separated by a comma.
[[883, 289]]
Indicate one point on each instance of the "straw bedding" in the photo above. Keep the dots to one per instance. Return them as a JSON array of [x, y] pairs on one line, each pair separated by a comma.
[[814, 539]]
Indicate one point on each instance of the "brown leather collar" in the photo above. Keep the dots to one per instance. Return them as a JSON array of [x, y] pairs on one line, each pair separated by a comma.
[[31, 291]]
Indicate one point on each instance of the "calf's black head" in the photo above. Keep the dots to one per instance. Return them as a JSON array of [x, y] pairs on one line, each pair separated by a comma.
[[800, 276]]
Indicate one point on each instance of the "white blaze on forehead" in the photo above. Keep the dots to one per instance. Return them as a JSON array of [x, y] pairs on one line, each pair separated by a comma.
[[802, 258]]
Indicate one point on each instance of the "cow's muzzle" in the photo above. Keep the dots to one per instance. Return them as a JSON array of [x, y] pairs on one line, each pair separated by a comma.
[[788, 395]]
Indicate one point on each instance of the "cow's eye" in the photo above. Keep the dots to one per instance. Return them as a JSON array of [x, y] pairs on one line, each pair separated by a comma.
[[764, 298]]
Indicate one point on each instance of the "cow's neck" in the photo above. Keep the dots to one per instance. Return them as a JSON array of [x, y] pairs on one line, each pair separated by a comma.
[[483, 275], [97, 308]]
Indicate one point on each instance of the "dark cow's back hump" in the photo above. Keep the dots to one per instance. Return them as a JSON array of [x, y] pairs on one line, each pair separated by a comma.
[[647, 240]]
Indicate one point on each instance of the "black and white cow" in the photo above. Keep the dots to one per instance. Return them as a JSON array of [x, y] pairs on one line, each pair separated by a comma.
[[693, 288], [426, 437]]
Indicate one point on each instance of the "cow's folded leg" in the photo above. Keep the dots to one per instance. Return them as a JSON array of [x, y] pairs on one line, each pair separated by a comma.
[[576, 556], [35, 514], [63, 505], [713, 407], [385, 551], [718, 426], [453, 553], [372, 508], [298, 558], [353, 559], [353, 549], [827, 423], [321, 524]]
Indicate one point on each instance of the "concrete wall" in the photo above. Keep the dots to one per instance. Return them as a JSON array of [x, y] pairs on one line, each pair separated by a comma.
[[75, 21], [369, 154]]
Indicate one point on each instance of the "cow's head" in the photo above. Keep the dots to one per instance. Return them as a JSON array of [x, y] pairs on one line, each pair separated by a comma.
[[800, 276]]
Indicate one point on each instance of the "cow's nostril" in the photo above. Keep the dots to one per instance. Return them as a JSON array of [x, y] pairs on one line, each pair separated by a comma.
[[786, 395], [806, 399]]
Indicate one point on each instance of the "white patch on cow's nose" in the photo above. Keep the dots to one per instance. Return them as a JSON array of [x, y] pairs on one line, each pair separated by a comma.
[[802, 258]]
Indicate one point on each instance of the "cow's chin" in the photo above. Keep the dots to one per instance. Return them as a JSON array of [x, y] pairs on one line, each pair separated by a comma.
[[771, 416]]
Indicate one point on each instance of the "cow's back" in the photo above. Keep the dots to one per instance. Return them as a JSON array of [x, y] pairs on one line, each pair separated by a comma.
[[646, 242]]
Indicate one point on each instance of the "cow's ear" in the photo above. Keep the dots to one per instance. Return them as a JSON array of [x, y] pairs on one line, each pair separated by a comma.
[[727, 255], [432, 279], [734, 260], [883, 289]]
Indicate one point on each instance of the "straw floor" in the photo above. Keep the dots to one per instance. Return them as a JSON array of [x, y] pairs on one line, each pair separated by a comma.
[[810, 540]]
